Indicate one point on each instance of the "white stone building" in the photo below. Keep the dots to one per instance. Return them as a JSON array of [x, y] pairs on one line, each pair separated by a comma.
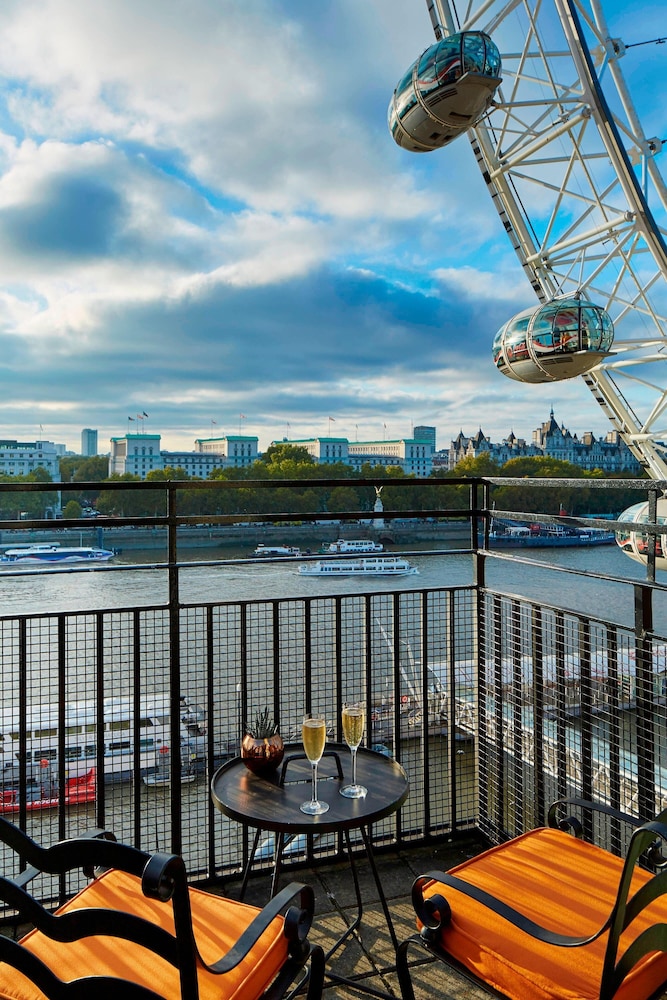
[[18, 458], [234, 450], [410, 454], [140, 454]]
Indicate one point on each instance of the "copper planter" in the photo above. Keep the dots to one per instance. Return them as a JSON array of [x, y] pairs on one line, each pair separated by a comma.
[[262, 756]]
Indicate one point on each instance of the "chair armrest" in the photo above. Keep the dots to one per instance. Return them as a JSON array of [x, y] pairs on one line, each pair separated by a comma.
[[435, 912], [652, 854], [298, 920], [30, 851], [573, 824]]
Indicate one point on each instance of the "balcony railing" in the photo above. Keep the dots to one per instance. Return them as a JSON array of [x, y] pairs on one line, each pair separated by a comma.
[[499, 681]]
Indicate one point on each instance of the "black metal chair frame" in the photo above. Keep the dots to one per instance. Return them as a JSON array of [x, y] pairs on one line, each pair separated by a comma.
[[163, 877], [645, 846]]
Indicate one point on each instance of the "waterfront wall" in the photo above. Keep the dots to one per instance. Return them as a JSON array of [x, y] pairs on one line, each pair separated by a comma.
[[307, 536]]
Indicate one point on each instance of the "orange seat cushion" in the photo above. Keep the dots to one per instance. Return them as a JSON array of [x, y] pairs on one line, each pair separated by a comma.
[[563, 884], [217, 924]]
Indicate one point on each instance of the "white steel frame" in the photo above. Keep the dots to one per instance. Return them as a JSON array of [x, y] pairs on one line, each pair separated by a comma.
[[578, 190]]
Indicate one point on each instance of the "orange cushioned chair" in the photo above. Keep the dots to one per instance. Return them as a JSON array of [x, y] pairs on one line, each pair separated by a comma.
[[137, 932], [550, 916]]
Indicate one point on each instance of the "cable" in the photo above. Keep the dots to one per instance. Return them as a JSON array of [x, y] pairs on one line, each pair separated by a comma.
[[652, 41]]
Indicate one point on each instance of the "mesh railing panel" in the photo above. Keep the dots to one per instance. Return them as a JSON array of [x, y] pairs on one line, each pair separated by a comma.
[[82, 691], [491, 718], [568, 706]]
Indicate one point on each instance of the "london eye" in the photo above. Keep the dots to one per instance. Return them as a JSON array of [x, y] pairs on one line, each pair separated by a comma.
[[576, 184]]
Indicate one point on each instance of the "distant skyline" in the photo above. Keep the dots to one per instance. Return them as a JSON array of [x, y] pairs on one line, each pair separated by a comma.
[[444, 436], [184, 237]]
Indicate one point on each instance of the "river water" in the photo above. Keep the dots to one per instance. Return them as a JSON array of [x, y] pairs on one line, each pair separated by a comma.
[[136, 580]]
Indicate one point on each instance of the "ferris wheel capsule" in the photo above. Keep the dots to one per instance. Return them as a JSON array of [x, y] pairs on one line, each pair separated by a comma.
[[554, 341], [636, 543], [445, 92]]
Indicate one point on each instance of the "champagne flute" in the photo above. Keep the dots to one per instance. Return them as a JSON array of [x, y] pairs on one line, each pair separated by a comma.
[[353, 730], [314, 735]]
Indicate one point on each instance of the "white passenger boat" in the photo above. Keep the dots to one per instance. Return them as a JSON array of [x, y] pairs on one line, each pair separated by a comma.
[[354, 545], [276, 551], [52, 553], [365, 566], [122, 755]]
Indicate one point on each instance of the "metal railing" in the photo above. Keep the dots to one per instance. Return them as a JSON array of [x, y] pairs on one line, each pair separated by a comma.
[[494, 699]]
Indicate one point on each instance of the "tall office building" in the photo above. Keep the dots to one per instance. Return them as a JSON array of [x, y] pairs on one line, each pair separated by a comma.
[[88, 442], [424, 433]]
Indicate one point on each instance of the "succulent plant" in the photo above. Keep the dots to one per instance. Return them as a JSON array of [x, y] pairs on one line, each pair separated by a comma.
[[263, 726]]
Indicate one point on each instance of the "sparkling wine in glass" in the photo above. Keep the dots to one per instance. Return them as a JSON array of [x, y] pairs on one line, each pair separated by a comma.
[[354, 717], [314, 735]]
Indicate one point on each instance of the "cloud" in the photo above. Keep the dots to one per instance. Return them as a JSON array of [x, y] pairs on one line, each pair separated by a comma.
[[202, 213]]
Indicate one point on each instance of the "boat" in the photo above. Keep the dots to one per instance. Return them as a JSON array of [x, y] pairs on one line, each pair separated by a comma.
[[43, 793], [365, 566], [276, 551], [514, 534], [121, 756], [352, 546], [52, 553]]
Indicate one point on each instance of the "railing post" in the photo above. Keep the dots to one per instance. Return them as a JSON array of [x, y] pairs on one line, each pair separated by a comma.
[[645, 748], [174, 674]]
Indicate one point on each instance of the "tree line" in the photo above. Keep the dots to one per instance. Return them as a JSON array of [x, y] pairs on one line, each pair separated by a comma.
[[284, 461]]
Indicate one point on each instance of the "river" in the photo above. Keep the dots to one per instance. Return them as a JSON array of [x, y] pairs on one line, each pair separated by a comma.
[[136, 580]]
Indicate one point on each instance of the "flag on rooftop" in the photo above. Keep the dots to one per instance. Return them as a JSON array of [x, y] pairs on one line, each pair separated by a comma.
[[131, 418], [144, 414]]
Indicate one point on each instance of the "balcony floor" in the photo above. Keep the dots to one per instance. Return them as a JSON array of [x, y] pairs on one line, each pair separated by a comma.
[[368, 955]]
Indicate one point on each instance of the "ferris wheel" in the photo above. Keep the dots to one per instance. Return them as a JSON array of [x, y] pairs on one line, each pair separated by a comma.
[[540, 91]]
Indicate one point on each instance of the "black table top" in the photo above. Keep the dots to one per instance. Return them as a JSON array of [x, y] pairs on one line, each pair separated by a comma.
[[267, 805]]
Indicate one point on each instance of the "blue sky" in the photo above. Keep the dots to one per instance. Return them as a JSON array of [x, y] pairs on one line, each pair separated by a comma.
[[202, 215]]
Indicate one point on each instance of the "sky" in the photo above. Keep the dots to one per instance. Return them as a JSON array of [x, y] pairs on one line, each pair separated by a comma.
[[205, 222]]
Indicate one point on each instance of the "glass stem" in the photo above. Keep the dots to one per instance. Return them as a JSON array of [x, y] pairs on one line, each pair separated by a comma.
[[315, 781], [354, 766]]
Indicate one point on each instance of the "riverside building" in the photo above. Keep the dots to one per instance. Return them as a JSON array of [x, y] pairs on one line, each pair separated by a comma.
[[412, 455], [140, 454], [549, 440], [18, 458]]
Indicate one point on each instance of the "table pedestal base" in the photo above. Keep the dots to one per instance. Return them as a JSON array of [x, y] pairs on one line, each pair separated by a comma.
[[351, 928]]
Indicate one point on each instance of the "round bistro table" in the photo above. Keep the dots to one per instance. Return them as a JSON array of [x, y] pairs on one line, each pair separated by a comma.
[[273, 804]]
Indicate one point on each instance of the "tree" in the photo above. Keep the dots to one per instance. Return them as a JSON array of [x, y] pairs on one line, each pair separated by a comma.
[[343, 498], [473, 466], [33, 505], [130, 503], [283, 451], [72, 510], [83, 468], [548, 500]]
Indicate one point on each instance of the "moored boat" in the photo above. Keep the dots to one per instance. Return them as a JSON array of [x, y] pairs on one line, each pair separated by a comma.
[[520, 535], [43, 794], [276, 551], [87, 737], [353, 545], [365, 566]]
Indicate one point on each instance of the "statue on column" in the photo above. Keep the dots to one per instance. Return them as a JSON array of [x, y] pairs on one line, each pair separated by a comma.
[[378, 522]]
